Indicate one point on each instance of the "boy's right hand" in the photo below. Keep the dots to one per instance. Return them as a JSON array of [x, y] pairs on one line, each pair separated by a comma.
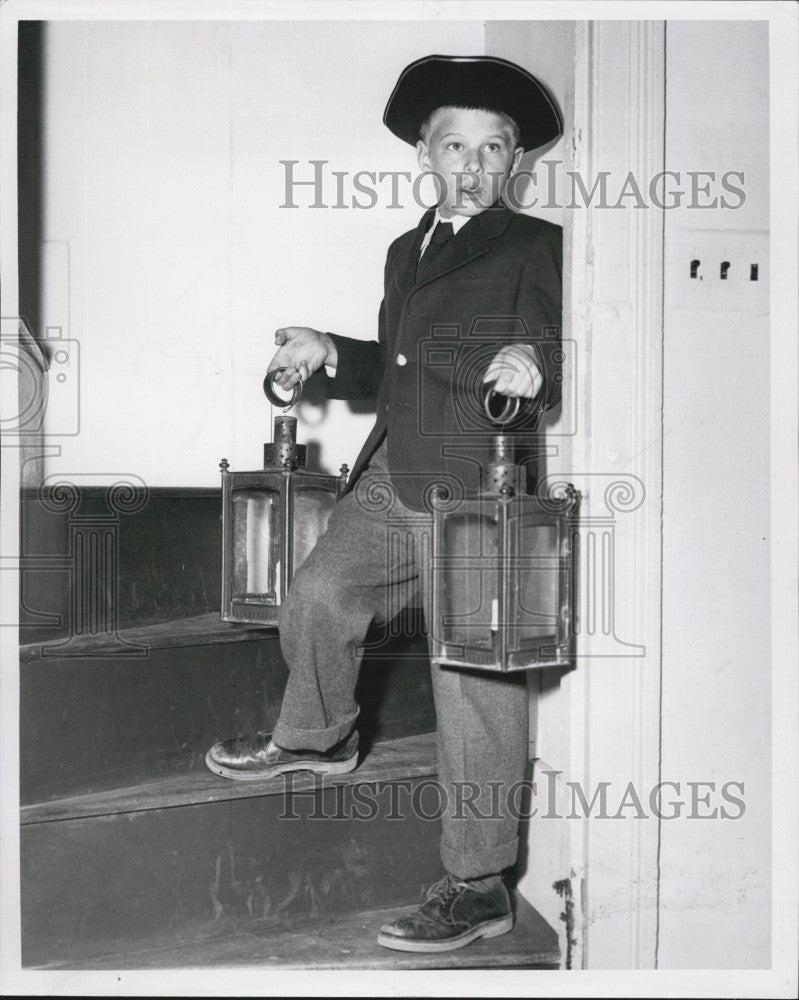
[[302, 352]]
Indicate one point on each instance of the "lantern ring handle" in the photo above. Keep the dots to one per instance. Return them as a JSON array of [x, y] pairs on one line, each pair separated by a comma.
[[502, 410], [272, 396], [499, 409]]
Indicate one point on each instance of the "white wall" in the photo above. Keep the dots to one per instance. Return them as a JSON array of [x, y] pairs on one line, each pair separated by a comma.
[[167, 254], [546, 49], [716, 875]]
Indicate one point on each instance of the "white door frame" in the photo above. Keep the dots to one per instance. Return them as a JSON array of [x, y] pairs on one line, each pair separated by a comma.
[[614, 291]]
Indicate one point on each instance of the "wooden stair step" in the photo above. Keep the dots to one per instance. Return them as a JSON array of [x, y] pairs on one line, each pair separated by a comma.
[[199, 630], [345, 942], [87, 724], [98, 721], [127, 865], [137, 640], [407, 757]]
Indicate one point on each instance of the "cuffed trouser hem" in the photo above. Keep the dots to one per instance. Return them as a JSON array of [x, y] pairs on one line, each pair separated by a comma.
[[465, 864], [312, 739]]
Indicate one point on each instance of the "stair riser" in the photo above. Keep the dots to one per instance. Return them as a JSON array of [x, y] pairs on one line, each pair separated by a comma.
[[82, 721], [90, 724], [95, 885], [161, 556]]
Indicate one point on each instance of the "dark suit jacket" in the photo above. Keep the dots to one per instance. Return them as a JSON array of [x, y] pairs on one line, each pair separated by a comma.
[[496, 282]]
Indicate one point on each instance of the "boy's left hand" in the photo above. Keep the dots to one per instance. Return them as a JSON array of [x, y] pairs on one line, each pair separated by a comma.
[[515, 372]]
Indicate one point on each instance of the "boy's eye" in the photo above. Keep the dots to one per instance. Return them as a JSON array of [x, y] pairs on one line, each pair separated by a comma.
[[493, 147], [454, 145]]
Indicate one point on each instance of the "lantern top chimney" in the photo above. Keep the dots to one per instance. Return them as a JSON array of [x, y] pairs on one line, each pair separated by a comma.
[[284, 452], [501, 473]]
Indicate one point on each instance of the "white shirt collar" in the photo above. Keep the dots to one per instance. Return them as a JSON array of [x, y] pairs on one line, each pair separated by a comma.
[[458, 221]]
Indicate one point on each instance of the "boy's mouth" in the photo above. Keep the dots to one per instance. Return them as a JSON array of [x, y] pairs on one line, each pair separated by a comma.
[[475, 189], [469, 188]]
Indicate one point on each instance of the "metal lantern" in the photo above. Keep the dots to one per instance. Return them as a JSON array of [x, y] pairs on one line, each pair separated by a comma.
[[271, 520], [504, 574]]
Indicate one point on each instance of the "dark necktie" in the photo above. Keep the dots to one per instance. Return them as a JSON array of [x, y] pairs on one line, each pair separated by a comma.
[[442, 234]]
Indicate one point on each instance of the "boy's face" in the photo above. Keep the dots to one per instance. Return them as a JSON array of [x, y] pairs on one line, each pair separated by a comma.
[[474, 154]]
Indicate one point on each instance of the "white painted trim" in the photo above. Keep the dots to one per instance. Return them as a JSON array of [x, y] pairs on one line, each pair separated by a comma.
[[614, 276], [9, 504]]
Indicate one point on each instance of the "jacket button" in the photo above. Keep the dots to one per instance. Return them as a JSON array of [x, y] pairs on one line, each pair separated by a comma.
[[402, 360]]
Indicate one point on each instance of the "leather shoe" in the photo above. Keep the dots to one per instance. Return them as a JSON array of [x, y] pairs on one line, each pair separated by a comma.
[[255, 757], [453, 914]]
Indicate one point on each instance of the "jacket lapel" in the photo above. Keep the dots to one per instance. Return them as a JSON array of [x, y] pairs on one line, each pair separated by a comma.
[[472, 241], [406, 261]]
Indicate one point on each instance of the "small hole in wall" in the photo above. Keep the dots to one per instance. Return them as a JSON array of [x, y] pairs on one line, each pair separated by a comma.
[[753, 272]]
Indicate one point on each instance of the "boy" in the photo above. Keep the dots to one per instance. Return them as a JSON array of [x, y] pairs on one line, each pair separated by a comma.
[[485, 284]]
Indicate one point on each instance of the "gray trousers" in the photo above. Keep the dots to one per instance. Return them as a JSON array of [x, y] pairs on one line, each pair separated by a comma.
[[372, 560]]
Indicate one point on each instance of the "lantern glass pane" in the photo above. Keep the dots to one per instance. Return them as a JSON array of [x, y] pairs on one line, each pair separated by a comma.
[[537, 573], [256, 546], [469, 579], [312, 510]]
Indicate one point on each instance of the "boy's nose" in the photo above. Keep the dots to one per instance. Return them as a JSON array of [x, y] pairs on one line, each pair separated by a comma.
[[473, 163]]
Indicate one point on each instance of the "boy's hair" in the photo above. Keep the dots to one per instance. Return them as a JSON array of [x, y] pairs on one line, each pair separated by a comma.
[[424, 128]]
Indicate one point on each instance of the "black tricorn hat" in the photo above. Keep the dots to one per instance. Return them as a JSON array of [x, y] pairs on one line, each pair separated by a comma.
[[472, 82]]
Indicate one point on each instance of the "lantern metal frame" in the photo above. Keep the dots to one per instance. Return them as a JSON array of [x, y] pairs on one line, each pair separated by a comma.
[[285, 479], [503, 635], [497, 636]]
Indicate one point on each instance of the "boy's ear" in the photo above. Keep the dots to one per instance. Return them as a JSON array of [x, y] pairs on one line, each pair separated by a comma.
[[517, 159], [422, 155]]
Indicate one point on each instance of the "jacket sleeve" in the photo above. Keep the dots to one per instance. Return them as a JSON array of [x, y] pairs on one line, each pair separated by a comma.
[[540, 305], [359, 371]]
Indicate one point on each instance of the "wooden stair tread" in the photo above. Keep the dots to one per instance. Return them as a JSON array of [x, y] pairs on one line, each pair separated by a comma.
[[343, 942], [200, 630], [407, 757]]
